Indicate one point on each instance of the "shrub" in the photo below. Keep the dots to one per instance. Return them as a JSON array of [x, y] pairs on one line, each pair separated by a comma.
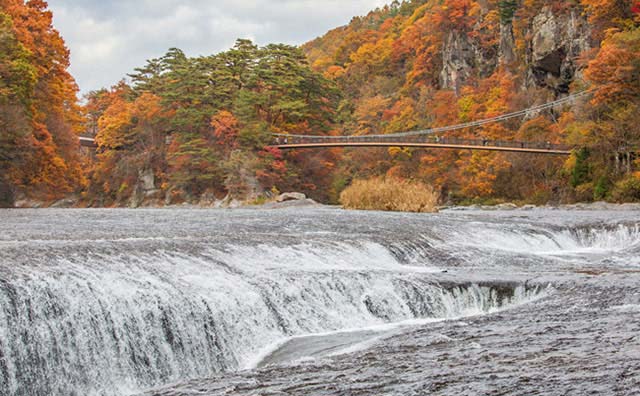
[[580, 173], [584, 192], [627, 190], [390, 194], [601, 189]]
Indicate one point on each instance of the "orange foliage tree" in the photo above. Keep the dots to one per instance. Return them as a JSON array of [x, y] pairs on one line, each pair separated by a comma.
[[50, 165]]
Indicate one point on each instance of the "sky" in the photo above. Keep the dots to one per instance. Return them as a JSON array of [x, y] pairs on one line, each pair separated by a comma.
[[109, 38]]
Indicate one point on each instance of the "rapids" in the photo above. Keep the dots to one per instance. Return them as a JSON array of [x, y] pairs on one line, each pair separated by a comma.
[[116, 302]]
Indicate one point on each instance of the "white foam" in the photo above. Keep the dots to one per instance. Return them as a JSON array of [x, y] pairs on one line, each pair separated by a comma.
[[591, 240], [626, 308], [458, 306]]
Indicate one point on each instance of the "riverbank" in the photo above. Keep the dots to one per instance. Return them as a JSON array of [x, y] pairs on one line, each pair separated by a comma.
[[288, 200]]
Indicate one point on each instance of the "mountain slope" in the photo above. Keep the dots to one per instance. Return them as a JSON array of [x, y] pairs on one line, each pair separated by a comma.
[[426, 63]]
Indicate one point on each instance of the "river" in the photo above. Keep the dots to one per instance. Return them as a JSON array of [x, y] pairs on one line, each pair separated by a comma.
[[318, 301]]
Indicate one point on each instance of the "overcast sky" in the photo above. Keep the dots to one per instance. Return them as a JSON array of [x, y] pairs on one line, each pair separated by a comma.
[[109, 38]]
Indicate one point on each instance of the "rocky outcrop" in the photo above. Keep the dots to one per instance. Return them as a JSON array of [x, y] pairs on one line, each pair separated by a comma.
[[291, 196], [145, 190], [507, 51], [557, 42], [462, 58], [305, 203], [458, 60], [69, 202]]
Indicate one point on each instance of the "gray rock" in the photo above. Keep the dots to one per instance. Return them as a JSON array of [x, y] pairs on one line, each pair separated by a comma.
[[507, 44], [557, 42], [26, 203], [507, 206], [458, 60], [65, 203], [462, 58], [291, 196], [147, 180], [290, 204]]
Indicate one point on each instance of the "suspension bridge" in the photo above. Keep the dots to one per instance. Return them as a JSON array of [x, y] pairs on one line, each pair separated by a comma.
[[433, 138], [433, 142]]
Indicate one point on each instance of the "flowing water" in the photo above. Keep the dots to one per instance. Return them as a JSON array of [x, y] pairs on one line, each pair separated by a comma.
[[318, 301]]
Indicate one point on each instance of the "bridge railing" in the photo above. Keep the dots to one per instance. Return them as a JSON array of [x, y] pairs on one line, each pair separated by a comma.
[[284, 140]]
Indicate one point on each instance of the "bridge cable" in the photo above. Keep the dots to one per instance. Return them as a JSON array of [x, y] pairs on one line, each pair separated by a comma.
[[485, 121]]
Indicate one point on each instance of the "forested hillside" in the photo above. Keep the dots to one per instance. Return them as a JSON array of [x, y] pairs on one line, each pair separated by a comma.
[[429, 63], [182, 129], [196, 129], [39, 114]]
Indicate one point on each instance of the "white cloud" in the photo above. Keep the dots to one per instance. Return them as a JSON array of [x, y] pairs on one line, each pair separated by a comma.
[[108, 39]]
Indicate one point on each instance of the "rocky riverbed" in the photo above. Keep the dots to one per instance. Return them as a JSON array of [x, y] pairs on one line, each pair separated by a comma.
[[318, 301]]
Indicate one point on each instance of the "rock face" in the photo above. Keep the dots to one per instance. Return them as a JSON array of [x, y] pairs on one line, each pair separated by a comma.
[[147, 180], [291, 196], [507, 44], [458, 60], [69, 202], [557, 43], [145, 188], [557, 40], [462, 58]]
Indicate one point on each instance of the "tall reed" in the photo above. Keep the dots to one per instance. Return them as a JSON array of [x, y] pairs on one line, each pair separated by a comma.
[[390, 194]]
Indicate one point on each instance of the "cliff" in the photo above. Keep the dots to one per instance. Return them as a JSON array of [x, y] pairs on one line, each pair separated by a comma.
[[544, 43]]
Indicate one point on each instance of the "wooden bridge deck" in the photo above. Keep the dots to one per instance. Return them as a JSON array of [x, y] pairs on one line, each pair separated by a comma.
[[295, 142], [291, 143]]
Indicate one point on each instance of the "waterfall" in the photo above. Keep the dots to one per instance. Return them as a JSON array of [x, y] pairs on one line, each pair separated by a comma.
[[93, 324], [115, 316]]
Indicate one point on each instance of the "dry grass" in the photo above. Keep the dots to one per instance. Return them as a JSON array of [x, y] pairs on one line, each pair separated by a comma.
[[390, 194]]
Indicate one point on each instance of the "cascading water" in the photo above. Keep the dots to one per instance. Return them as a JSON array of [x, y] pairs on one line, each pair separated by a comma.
[[549, 240], [115, 324], [115, 316]]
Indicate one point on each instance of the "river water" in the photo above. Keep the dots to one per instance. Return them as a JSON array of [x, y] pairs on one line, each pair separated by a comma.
[[319, 302]]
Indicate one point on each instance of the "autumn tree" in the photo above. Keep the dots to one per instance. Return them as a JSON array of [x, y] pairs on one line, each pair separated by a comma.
[[47, 118], [131, 141], [17, 82], [607, 14], [202, 124]]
